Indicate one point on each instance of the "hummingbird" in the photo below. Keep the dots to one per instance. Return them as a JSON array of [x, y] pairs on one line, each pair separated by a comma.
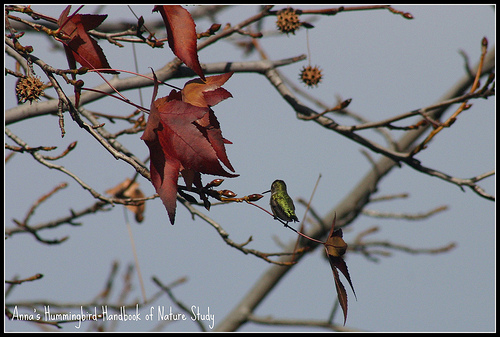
[[281, 203]]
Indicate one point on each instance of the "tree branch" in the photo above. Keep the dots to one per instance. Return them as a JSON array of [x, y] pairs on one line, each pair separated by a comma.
[[347, 210]]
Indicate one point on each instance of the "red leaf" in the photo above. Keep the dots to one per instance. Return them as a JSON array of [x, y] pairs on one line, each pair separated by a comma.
[[211, 129], [80, 46], [208, 92], [182, 138], [341, 293], [164, 174], [335, 248], [186, 140], [181, 32], [342, 266]]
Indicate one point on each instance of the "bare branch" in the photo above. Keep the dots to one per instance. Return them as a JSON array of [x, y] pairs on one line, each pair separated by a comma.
[[486, 66], [369, 247], [300, 323], [225, 236], [346, 211], [406, 216]]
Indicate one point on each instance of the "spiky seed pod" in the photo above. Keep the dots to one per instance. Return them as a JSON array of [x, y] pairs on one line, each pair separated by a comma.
[[29, 88], [311, 76], [288, 21]]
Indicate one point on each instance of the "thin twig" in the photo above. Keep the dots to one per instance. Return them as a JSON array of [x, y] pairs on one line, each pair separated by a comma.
[[463, 106], [406, 216], [29, 279]]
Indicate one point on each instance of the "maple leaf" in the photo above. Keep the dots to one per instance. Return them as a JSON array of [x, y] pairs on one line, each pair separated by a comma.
[[335, 248], [181, 33], [186, 138], [80, 46]]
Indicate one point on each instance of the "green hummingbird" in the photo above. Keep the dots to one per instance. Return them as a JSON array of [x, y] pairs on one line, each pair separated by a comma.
[[281, 203]]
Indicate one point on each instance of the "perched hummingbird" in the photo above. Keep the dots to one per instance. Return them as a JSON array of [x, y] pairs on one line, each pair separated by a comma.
[[281, 203]]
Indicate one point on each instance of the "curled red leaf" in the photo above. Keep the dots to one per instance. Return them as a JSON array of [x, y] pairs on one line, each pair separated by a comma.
[[129, 189], [335, 248], [181, 32], [79, 45]]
